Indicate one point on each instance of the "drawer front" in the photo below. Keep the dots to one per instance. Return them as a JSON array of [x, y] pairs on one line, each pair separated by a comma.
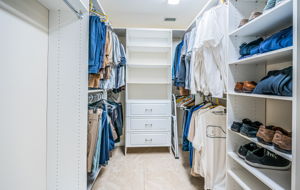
[[149, 109], [149, 124], [151, 139]]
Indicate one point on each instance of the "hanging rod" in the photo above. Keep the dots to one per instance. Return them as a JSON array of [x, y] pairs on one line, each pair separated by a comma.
[[79, 14]]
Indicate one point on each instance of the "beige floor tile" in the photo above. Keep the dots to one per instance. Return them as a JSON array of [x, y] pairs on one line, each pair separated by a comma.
[[147, 169]]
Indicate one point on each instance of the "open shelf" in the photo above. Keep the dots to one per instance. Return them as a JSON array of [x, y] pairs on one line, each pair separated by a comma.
[[149, 38], [268, 22], [271, 148], [148, 82], [284, 98], [273, 57], [148, 75], [275, 179], [140, 91], [155, 66], [245, 180]]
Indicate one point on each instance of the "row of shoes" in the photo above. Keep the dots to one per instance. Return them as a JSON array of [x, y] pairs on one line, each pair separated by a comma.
[[270, 135], [270, 4], [245, 86], [262, 158]]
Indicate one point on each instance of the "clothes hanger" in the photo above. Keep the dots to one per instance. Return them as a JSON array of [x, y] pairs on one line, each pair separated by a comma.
[[101, 15]]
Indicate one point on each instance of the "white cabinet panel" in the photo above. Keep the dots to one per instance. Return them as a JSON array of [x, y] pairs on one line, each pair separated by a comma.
[[149, 123], [149, 109], [149, 139]]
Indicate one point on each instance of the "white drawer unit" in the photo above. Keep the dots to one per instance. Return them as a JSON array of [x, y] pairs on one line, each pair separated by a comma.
[[148, 139], [149, 109], [149, 123], [148, 88]]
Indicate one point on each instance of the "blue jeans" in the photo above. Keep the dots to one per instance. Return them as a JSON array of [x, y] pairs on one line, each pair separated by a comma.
[[97, 38], [277, 82], [279, 40]]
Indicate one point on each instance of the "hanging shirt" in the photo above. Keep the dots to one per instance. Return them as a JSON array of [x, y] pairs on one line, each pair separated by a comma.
[[212, 146], [209, 59]]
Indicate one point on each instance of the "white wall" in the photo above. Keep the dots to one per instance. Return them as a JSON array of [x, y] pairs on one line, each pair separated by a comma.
[[23, 97]]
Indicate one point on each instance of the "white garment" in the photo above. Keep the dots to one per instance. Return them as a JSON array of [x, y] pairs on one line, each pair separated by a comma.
[[209, 53], [212, 146]]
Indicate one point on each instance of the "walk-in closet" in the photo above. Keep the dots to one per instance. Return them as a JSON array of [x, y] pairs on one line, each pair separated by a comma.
[[149, 95]]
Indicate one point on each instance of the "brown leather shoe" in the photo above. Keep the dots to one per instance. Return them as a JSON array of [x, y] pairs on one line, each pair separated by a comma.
[[239, 87], [249, 86], [265, 134], [283, 141]]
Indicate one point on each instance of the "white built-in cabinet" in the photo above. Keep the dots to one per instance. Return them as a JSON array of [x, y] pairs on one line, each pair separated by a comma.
[[270, 110], [148, 88]]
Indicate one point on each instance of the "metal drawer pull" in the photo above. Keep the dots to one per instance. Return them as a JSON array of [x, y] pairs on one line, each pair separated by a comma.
[[148, 124], [148, 140], [148, 110]]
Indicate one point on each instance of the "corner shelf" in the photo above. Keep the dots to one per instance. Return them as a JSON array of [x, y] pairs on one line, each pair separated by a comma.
[[267, 22], [284, 98], [273, 57], [270, 148], [275, 179]]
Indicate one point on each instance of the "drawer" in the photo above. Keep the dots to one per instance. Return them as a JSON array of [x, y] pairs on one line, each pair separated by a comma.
[[149, 123], [149, 109], [148, 139]]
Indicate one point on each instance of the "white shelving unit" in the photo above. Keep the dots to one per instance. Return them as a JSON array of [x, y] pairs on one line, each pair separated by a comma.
[[148, 88], [270, 110]]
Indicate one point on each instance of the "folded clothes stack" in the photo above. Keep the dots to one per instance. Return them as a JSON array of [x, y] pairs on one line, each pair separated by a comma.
[[279, 40], [277, 82]]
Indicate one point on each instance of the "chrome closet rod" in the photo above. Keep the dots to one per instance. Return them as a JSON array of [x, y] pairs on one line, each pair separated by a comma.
[[79, 14]]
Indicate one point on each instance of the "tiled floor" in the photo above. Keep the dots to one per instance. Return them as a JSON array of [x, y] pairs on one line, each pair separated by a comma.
[[147, 169]]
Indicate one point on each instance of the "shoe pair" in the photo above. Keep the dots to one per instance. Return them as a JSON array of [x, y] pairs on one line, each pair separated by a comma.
[[246, 127], [246, 86], [280, 138], [262, 158], [271, 3], [252, 17]]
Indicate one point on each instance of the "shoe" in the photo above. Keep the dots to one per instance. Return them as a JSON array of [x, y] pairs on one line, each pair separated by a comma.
[[239, 87], [254, 15], [244, 149], [270, 4], [278, 2], [248, 86], [243, 22], [263, 158], [265, 134], [250, 130], [236, 126], [282, 141]]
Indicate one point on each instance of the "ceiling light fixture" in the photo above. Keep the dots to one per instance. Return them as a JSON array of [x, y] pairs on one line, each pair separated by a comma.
[[173, 2]]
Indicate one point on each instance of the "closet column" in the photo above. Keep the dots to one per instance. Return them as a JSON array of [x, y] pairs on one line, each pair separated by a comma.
[[67, 100], [296, 95]]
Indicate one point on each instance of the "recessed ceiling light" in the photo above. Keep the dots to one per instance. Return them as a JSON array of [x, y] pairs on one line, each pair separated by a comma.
[[173, 2]]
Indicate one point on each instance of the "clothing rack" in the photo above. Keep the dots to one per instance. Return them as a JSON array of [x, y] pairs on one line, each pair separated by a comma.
[[78, 13]]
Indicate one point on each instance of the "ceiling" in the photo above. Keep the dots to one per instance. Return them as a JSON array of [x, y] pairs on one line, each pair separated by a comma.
[[151, 13]]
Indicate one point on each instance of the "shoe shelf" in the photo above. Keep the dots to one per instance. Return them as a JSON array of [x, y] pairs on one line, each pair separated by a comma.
[[267, 22], [275, 179], [273, 57], [271, 148], [251, 182], [284, 98], [95, 91]]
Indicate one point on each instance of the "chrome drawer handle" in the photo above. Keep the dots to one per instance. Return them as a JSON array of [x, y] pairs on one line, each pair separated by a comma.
[[148, 125], [148, 140], [148, 110]]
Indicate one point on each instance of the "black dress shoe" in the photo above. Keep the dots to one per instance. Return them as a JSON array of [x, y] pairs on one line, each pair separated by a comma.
[[244, 149]]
